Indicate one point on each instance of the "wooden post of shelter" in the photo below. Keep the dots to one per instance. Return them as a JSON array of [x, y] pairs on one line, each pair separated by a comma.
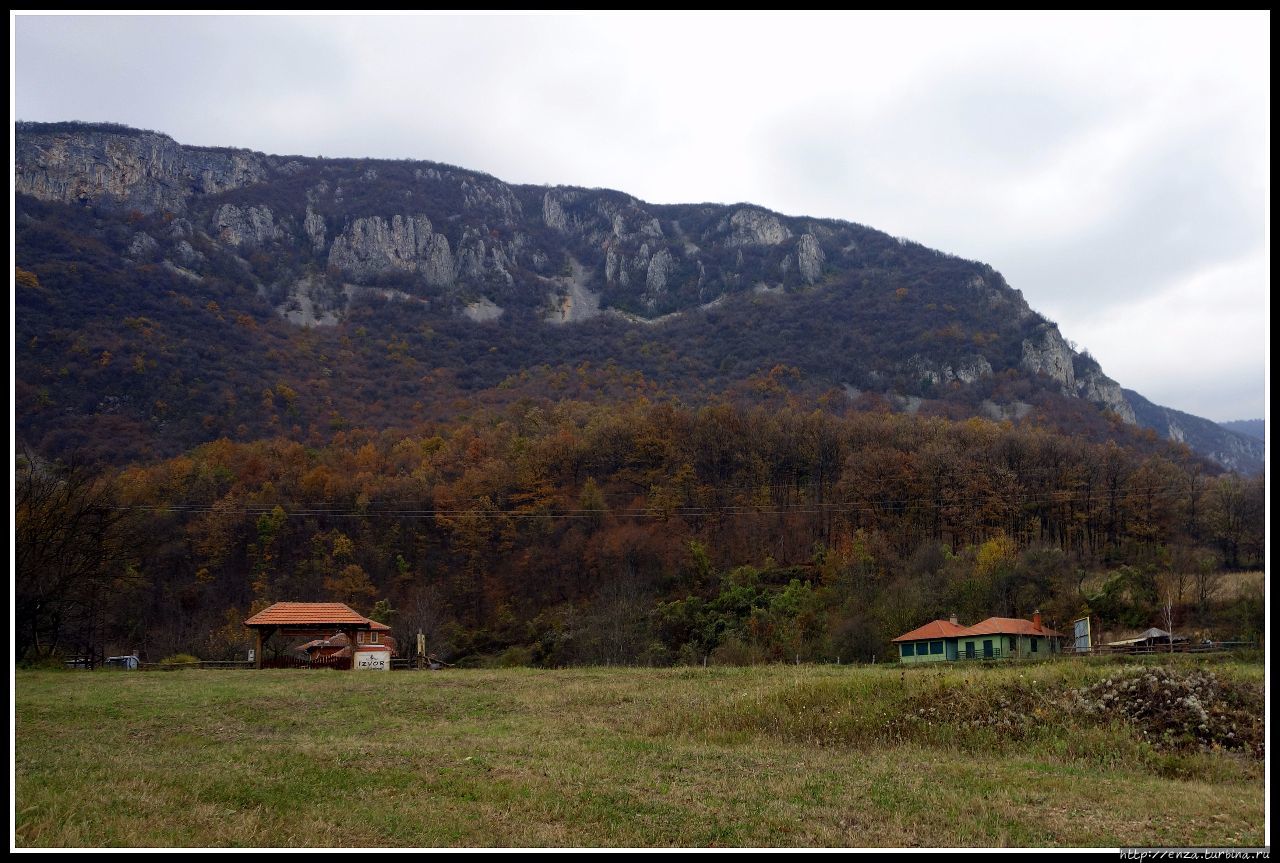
[[263, 635]]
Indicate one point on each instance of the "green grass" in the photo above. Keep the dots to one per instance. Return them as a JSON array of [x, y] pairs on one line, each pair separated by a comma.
[[764, 756]]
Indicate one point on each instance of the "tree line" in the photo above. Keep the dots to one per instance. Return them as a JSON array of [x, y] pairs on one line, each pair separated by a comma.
[[639, 532]]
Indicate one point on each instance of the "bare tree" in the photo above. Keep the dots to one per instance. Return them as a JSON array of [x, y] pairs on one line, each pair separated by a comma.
[[422, 610], [74, 548], [1166, 607], [1206, 578]]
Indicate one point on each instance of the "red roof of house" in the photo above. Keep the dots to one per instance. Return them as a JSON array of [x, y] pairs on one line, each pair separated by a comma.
[[1009, 626], [307, 614], [990, 626], [933, 629]]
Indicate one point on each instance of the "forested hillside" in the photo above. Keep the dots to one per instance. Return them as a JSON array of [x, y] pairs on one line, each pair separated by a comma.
[[557, 425], [561, 532]]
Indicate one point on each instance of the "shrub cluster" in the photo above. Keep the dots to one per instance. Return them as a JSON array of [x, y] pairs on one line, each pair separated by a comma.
[[1179, 709]]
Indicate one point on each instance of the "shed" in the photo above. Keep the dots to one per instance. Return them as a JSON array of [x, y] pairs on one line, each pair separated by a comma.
[[320, 620], [1149, 638]]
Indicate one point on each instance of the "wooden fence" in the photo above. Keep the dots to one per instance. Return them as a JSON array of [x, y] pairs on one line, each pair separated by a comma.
[[337, 662], [204, 663], [1157, 648], [340, 663]]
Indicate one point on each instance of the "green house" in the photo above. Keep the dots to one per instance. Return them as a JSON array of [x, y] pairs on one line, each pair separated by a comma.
[[936, 641], [993, 638]]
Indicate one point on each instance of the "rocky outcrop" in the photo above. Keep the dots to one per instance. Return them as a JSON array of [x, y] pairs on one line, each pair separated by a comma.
[[553, 211], [143, 246], [482, 311], [998, 298], [1047, 353], [491, 199], [470, 260], [435, 263], [1094, 386], [124, 168], [246, 227], [314, 225], [373, 246], [967, 369], [751, 227], [655, 283], [810, 258], [971, 369]]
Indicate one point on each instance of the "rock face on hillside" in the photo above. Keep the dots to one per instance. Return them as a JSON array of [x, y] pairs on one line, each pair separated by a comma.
[[916, 322], [247, 227], [374, 246], [1230, 449], [1047, 353], [126, 168], [751, 227]]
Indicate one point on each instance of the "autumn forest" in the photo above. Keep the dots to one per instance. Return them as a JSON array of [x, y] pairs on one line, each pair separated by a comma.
[[556, 533]]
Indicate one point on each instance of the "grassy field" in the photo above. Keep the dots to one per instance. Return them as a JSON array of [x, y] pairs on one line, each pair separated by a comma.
[[763, 756]]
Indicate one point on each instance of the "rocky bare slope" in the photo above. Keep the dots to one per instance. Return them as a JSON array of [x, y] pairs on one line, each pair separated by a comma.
[[311, 236]]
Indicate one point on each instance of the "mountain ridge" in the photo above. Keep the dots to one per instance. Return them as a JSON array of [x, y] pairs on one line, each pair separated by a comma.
[[1255, 428], [313, 239]]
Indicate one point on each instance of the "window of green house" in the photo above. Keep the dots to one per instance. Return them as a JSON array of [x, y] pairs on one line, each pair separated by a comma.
[[1035, 645], [969, 651], [935, 647], [908, 650]]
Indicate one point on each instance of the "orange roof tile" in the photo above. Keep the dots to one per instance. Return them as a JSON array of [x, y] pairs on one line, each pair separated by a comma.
[[990, 626], [306, 614], [934, 629], [1009, 626]]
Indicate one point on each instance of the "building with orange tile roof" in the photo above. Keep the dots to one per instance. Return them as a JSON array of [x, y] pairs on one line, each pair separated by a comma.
[[993, 638], [325, 621]]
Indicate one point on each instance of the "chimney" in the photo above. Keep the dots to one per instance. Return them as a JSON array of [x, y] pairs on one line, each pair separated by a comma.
[[1035, 618], [953, 620]]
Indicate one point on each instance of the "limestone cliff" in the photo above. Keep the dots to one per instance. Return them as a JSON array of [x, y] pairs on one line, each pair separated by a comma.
[[876, 313], [1046, 352], [374, 246], [125, 168]]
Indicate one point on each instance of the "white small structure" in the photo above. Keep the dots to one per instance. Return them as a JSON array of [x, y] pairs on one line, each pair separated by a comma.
[[1151, 638]]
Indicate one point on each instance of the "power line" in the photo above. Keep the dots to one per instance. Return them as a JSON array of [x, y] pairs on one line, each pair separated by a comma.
[[1052, 498]]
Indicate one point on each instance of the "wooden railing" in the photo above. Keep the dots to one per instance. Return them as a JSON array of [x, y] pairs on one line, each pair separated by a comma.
[[995, 653]]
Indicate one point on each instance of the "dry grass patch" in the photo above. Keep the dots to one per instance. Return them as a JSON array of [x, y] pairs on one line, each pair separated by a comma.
[[767, 756]]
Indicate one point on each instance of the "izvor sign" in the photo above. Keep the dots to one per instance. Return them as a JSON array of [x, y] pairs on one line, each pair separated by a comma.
[[373, 660]]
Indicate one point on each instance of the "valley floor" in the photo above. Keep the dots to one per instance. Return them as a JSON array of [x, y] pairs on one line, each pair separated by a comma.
[[762, 756]]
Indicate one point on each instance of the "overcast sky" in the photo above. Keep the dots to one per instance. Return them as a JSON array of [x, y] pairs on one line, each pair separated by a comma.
[[1114, 167]]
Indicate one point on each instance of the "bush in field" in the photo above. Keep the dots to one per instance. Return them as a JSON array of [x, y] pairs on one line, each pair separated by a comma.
[[1179, 709], [178, 660], [515, 657]]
